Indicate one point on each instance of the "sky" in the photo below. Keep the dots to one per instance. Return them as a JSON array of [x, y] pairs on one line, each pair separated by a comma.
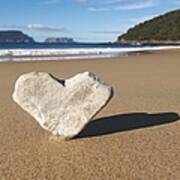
[[82, 20]]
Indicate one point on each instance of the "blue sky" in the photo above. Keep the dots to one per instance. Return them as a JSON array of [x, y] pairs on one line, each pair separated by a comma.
[[83, 20]]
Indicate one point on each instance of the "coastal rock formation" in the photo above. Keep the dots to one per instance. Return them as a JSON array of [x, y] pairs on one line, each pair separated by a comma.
[[59, 40], [63, 107], [14, 37]]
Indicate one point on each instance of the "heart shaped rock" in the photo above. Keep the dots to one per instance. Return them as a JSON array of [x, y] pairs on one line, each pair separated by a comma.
[[63, 107]]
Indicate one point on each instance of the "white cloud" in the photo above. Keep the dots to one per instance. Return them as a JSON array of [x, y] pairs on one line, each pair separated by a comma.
[[35, 27], [177, 2], [107, 32], [98, 9], [82, 1], [100, 1], [141, 5], [5, 26], [49, 2], [42, 27], [122, 5]]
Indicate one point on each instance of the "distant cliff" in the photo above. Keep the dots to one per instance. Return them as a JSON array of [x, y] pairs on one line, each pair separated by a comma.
[[164, 29], [59, 40], [14, 37]]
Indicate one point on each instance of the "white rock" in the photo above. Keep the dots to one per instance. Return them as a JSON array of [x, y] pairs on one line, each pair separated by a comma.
[[63, 107]]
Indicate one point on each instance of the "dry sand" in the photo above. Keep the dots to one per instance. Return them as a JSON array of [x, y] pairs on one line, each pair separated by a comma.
[[136, 137]]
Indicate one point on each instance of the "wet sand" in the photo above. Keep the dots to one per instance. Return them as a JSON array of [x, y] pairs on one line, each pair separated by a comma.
[[137, 136]]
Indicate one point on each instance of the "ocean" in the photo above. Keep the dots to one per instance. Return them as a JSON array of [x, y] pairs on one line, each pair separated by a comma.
[[47, 51]]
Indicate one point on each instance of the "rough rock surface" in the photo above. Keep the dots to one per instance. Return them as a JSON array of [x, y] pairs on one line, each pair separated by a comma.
[[63, 107]]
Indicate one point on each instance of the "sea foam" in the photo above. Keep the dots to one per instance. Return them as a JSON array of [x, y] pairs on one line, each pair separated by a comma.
[[72, 53]]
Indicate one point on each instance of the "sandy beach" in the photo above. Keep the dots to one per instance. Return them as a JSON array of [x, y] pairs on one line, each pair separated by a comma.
[[136, 137]]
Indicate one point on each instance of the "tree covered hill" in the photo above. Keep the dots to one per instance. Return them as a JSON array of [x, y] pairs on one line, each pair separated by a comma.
[[164, 29]]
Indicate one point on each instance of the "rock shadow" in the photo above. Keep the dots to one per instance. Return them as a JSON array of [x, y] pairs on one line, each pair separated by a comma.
[[126, 122]]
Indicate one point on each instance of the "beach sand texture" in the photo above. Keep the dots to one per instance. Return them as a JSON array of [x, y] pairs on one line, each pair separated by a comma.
[[136, 137]]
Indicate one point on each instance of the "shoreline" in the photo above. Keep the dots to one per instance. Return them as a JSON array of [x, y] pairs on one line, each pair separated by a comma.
[[136, 54], [17, 55]]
